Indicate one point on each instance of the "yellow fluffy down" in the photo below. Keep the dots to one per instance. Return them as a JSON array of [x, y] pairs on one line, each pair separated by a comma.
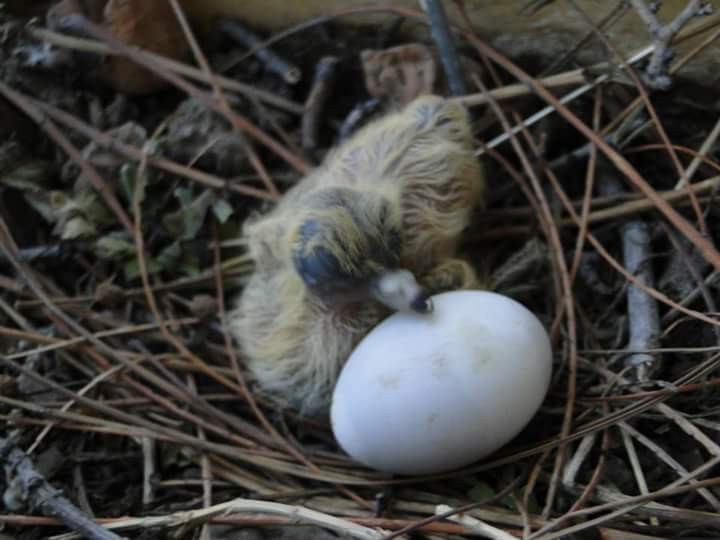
[[421, 159]]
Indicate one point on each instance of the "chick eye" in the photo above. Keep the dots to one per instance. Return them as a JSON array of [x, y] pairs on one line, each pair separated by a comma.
[[318, 267]]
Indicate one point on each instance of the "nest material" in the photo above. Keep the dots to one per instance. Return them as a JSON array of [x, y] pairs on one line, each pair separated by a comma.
[[119, 379]]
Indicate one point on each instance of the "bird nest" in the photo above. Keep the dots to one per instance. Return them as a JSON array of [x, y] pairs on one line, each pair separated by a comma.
[[126, 401]]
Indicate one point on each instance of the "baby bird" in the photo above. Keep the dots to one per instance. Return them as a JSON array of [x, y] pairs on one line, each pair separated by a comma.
[[374, 228]]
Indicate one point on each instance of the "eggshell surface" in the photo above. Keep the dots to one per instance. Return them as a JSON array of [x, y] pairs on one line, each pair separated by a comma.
[[423, 394]]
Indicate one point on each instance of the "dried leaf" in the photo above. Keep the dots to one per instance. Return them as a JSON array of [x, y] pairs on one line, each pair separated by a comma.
[[109, 294], [151, 26], [399, 74], [83, 212], [203, 306], [107, 161], [197, 134]]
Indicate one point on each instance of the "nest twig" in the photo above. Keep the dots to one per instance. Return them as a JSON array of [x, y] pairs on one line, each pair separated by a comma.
[[113, 353]]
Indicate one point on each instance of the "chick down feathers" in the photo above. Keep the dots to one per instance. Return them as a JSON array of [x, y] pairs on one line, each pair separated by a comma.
[[397, 195]]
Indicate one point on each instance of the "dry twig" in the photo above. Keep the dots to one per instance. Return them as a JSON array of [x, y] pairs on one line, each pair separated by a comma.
[[445, 42], [315, 102], [656, 74], [274, 62], [26, 485]]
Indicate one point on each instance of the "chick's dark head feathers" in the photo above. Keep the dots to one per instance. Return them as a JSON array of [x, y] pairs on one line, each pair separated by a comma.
[[346, 242], [345, 238]]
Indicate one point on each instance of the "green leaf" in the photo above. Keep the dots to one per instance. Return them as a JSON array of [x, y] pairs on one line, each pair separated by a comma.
[[130, 180], [77, 227], [93, 208], [114, 247], [190, 264], [184, 195], [222, 210], [168, 257], [187, 222], [29, 177], [40, 203]]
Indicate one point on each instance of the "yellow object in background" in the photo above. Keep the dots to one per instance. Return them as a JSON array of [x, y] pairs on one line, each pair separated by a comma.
[[547, 33]]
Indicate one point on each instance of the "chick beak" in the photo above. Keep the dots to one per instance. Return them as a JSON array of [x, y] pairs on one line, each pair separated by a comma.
[[399, 290]]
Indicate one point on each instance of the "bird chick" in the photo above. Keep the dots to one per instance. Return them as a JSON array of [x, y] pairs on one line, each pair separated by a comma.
[[374, 228]]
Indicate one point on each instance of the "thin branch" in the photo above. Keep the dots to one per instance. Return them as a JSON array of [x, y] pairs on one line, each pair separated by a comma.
[[475, 525], [234, 29], [642, 309], [98, 47], [298, 514], [705, 148], [315, 102], [442, 35], [82, 23], [656, 75], [26, 485]]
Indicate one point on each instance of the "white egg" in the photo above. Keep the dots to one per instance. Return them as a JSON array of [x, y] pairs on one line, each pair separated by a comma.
[[423, 394]]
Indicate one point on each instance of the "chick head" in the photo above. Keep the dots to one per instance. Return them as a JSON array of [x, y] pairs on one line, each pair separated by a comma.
[[346, 248]]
